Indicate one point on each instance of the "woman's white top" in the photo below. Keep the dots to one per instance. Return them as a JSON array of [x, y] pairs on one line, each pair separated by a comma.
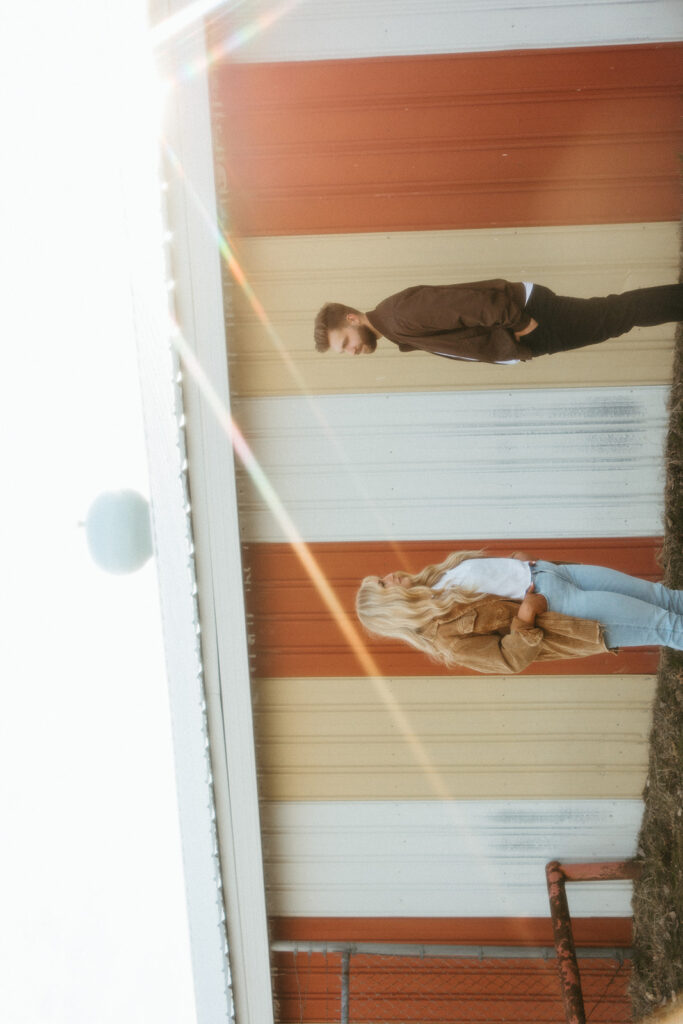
[[506, 577]]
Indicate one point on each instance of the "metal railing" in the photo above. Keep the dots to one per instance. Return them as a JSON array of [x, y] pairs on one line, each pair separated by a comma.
[[557, 875]]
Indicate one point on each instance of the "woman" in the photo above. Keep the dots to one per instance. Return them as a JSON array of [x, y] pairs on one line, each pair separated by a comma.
[[501, 614]]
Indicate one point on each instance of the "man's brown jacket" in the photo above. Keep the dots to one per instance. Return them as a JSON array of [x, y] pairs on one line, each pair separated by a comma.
[[460, 321]]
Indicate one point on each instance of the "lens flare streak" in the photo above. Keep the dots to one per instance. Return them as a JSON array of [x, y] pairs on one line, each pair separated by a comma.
[[349, 631], [240, 277], [254, 28], [228, 255], [194, 15]]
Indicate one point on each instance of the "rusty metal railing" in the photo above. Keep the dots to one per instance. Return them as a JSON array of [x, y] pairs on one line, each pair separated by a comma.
[[557, 875]]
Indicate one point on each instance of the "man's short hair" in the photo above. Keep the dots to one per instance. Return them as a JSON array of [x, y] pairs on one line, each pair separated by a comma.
[[331, 316]]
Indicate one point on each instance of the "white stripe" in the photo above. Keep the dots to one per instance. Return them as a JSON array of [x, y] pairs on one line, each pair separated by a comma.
[[574, 462], [334, 29], [480, 858]]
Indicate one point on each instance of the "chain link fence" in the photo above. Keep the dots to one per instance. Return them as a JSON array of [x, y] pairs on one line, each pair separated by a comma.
[[448, 985]]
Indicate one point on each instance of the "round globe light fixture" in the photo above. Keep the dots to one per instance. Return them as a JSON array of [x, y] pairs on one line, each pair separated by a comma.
[[118, 531]]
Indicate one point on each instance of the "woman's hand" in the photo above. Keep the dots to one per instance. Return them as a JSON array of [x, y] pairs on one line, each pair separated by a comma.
[[532, 605], [531, 326]]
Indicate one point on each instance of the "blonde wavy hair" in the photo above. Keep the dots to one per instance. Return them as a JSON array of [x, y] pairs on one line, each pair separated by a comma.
[[403, 612]]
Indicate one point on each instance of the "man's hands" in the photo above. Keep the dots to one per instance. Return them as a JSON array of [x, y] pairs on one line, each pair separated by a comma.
[[532, 605]]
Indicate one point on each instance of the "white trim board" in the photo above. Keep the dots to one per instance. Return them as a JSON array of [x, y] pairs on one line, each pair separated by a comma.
[[337, 29], [234, 821]]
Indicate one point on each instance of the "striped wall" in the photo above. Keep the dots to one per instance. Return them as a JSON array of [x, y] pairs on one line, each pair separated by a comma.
[[361, 149]]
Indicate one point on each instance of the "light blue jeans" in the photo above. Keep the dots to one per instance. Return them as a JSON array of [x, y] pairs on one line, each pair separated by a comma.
[[634, 613]]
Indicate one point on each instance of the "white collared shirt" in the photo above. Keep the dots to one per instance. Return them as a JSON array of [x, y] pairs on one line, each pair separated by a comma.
[[505, 577]]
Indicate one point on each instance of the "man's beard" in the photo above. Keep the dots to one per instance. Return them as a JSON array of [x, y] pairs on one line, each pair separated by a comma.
[[368, 338]]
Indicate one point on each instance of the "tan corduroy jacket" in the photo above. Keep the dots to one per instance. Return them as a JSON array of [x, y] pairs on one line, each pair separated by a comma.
[[487, 636]]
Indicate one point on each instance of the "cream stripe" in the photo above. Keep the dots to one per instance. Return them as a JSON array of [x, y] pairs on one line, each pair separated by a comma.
[[484, 737], [293, 276]]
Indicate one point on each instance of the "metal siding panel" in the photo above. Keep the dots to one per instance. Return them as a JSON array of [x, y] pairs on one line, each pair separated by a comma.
[[517, 738], [293, 276], [457, 931], [426, 989], [442, 859], [330, 29], [467, 464], [456, 141]]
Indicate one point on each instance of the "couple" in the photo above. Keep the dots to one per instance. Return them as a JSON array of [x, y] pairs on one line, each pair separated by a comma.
[[499, 615]]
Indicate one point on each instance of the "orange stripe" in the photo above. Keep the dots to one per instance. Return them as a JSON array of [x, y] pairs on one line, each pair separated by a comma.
[[542, 137], [602, 932], [411, 990], [294, 634]]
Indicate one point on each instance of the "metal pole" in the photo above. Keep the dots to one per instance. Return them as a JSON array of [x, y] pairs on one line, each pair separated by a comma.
[[455, 952], [345, 970], [570, 979], [602, 871]]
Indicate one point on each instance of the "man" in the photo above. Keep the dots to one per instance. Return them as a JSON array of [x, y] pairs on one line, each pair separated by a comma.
[[492, 321]]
